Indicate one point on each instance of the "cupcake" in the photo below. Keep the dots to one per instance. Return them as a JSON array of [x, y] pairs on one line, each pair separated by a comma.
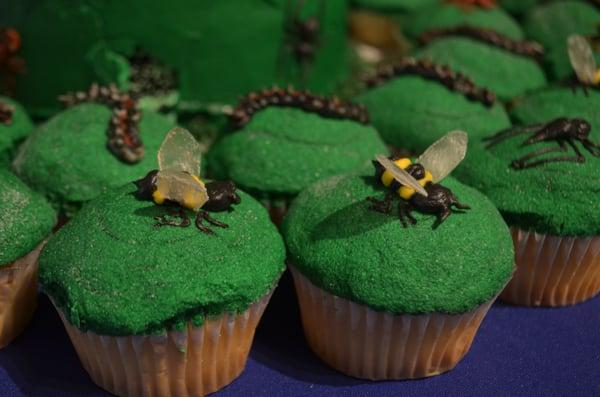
[[551, 24], [482, 14], [299, 42], [96, 143], [518, 7], [380, 300], [413, 102], [15, 125], [164, 299], [27, 219], [476, 51], [543, 177], [286, 139]]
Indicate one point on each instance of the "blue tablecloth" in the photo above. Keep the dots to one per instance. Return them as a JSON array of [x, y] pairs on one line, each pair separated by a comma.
[[517, 351]]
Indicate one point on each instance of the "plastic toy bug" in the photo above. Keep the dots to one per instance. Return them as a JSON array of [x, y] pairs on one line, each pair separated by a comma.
[[563, 131], [6, 113], [417, 184], [583, 62], [10, 64], [302, 36], [178, 181]]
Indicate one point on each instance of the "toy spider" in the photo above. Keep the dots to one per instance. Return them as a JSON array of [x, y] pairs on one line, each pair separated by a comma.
[[10, 64], [563, 131], [302, 36]]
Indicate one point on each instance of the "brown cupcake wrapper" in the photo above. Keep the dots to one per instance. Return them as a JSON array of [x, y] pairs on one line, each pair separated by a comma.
[[364, 343], [193, 362], [18, 295], [277, 210], [553, 270]]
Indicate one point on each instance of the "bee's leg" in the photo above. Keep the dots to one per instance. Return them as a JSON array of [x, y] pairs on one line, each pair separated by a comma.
[[384, 206], [404, 212], [213, 221], [441, 217], [457, 204], [180, 213], [200, 225]]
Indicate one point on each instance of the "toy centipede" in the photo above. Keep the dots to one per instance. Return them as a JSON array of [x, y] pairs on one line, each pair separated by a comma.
[[454, 81], [123, 129], [527, 48], [289, 97]]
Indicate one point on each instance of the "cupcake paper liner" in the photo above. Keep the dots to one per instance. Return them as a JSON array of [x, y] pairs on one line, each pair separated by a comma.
[[553, 270], [192, 362], [364, 343], [18, 295]]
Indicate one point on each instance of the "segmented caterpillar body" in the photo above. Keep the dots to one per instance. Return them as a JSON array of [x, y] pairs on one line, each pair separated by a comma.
[[442, 74], [123, 128], [288, 97], [525, 48]]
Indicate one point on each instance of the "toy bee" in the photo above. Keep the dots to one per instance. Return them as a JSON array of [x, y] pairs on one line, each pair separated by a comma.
[[583, 62], [178, 181], [416, 184]]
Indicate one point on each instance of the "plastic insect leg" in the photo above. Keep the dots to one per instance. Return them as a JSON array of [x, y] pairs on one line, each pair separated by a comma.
[[213, 221], [591, 147], [181, 214], [510, 132], [404, 212], [201, 226], [576, 159], [441, 217], [384, 206], [459, 205]]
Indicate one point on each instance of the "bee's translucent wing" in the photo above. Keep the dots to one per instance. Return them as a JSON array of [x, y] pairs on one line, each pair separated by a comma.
[[180, 152], [182, 188], [445, 154], [582, 59], [400, 175]]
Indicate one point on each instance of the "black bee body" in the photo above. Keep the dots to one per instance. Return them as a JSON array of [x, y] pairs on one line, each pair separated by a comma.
[[439, 200], [221, 196], [562, 130]]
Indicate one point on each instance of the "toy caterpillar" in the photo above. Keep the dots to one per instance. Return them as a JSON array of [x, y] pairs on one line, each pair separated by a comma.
[[289, 97], [123, 129], [10, 63], [6, 113], [454, 81], [525, 48]]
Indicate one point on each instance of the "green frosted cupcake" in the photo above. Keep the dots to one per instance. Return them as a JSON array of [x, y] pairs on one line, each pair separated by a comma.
[[415, 102], [549, 197], [135, 273], [518, 7], [380, 300], [506, 66], [448, 15], [280, 150], [552, 23], [15, 125], [27, 220], [70, 158]]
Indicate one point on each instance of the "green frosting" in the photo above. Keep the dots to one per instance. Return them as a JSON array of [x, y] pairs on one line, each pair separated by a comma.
[[67, 159], [512, 74], [518, 7], [368, 257], [27, 219], [206, 42], [551, 24], [411, 112], [445, 16], [284, 150], [11, 135], [394, 6], [112, 271]]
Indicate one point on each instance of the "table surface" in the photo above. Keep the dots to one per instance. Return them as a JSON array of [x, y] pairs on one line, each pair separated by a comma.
[[517, 351]]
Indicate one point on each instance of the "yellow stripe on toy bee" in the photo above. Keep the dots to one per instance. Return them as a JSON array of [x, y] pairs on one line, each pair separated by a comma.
[[387, 178], [597, 77], [406, 193], [158, 197]]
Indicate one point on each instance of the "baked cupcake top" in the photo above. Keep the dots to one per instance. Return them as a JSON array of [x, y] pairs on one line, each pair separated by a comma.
[[69, 158], [449, 15], [282, 150], [113, 271], [346, 248], [411, 110], [27, 219], [474, 51], [15, 125], [552, 23]]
